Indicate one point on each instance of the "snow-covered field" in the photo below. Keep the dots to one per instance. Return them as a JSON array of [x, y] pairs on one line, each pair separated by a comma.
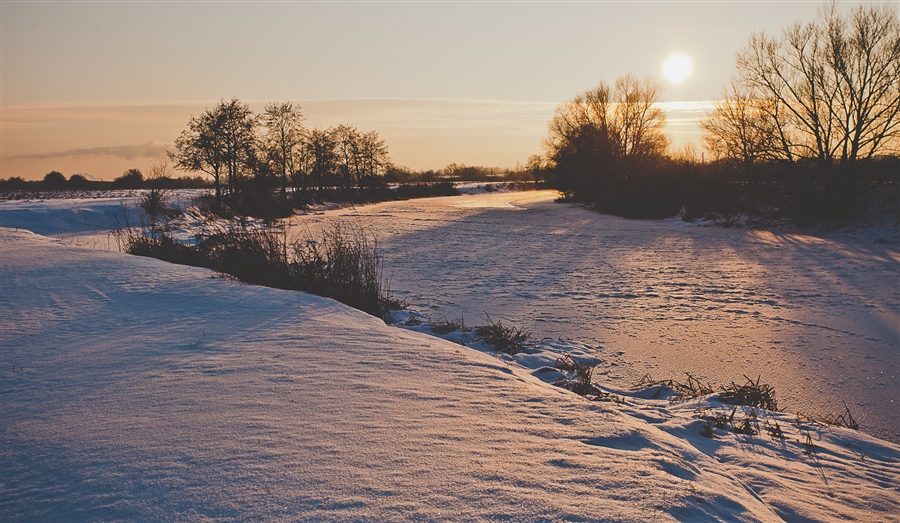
[[135, 390]]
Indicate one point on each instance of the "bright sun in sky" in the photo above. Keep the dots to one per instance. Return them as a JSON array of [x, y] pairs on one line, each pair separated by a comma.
[[677, 68]]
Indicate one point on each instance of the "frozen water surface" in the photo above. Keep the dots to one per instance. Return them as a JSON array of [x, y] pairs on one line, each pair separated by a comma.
[[817, 316]]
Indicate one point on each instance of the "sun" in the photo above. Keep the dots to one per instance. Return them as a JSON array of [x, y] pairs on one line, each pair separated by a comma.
[[677, 68]]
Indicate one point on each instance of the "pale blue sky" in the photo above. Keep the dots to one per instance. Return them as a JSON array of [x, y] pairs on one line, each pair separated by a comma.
[[470, 82]]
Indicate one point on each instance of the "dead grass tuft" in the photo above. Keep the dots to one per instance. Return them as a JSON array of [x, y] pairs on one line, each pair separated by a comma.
[[508, 339], [691, 388], [752, 394]]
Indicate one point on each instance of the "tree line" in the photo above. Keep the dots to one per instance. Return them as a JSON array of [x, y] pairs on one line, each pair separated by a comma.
[[130, 179], [244, 153], [810, 119]]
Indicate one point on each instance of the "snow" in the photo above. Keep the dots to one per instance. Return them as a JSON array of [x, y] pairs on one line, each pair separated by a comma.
[[816, 314], [136, 390]]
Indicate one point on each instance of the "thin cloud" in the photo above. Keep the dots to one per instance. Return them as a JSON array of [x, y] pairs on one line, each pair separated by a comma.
[[126, 152]]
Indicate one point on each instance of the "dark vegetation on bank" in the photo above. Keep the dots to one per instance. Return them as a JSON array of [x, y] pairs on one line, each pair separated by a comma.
[[344, 263]]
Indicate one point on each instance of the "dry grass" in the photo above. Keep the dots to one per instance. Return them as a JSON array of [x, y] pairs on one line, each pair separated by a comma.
[[752, 393], [344, 264], [508, 339], [691, 388]]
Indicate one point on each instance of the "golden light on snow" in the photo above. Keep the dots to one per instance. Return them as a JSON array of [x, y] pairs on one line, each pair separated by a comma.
[[677, 68]]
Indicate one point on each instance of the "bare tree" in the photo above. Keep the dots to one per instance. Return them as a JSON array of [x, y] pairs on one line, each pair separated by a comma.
[[199, 148], [283, 140], [591, 109], [637, 118], [604, 134], [220, 142], [347, 148], [373, 153], [741, 129], [237, 125], [320, 156], [831, 87]]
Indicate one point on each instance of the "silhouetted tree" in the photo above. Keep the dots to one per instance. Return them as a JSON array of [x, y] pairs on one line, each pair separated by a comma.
[[283, 140], [130, 179], [221, 142], [374, 160], [14, 183], [347, 150], [78, 181], [820, 99], [237, 124], [831, 87], [637, 121], [200, 148], [740, 129], [597, 140], [320, 156], [54, 180]]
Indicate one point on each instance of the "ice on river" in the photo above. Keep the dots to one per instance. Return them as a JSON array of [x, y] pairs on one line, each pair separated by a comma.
[[815, 315]]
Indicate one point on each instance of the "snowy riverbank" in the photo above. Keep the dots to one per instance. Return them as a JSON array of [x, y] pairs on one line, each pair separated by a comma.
[[136, 390]]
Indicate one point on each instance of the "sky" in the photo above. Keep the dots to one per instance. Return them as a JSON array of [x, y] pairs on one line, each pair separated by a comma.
[[103, 86]]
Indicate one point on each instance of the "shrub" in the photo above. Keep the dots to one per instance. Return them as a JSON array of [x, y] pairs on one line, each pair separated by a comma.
[[79, 181], [424, 190], [14, 183], [345, 265], [163, 247]]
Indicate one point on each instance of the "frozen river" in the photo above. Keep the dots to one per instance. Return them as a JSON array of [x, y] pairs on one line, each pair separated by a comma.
[[817, 316]]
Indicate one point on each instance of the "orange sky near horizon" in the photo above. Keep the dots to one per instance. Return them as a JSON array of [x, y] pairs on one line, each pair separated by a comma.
[[100, 87], [421, 134]]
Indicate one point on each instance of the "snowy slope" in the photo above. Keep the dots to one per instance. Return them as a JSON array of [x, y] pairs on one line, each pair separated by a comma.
[[135, 390]]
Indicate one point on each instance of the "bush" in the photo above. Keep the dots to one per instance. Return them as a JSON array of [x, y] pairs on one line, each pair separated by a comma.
[[79, 181], [263, 204], [154, 202], [424, 190], [345, 265], [162, 247]]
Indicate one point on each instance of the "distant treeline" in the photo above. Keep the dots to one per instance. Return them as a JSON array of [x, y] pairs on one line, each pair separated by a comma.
[[135, 179], [130, 179], [808, 126]]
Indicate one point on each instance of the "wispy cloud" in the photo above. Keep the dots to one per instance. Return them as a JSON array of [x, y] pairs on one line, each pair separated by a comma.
[[127, 152]]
